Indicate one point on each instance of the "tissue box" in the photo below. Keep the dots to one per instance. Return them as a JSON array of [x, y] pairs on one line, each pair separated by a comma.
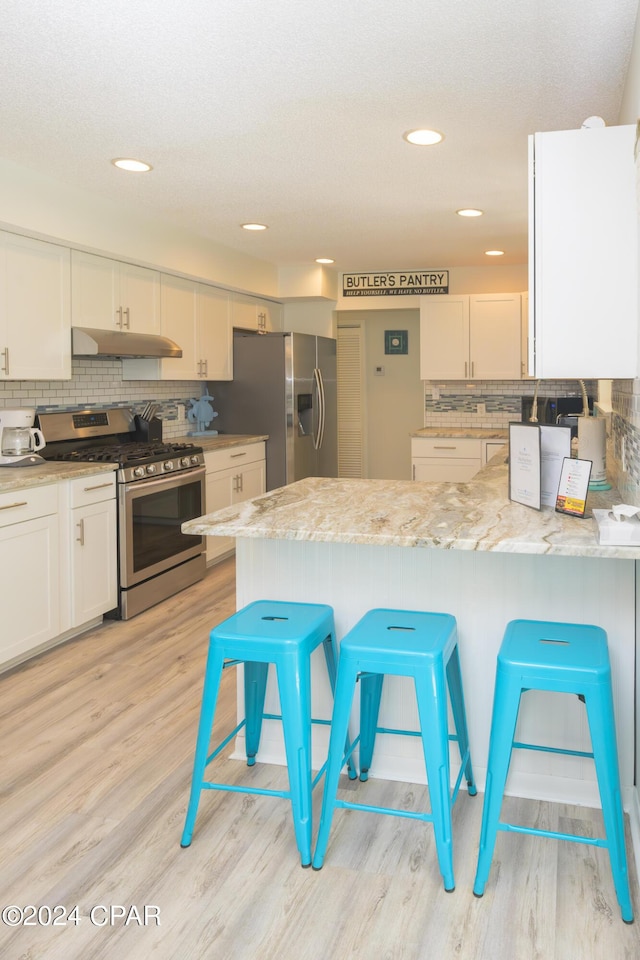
[[617, 533]]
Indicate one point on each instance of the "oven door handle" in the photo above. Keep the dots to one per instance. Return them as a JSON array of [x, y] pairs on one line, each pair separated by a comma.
[[138, 487]]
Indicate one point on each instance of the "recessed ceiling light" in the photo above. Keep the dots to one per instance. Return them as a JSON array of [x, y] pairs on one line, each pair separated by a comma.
[[422, 137], [253, 226], [324, 260], [133, 166], [494, 253], [469, 212]]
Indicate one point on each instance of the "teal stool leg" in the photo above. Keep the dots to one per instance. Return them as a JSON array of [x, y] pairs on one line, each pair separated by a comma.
[[345, 687], [212, 677], [432, 710], [454, 680], [503, 727], [331, 657], [599, 703], [294, 685], [370, 694], [255, 685]]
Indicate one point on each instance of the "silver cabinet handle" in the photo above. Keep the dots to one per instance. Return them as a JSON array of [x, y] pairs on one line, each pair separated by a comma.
[[10, 506], [98, 486], [205, 364], [80, 539], [413, 472], [473, 367], [241, 482], [119, 317], [5, 367], [465, 369], [126, 323], [442, 447], [199, 368], [233, 455]]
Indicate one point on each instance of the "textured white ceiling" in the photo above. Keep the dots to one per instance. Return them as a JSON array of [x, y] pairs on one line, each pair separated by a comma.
[[291, 113]]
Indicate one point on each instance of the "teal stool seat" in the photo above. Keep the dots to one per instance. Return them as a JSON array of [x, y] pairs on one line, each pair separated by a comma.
[[411, 644], [262, 633], [567, 658]]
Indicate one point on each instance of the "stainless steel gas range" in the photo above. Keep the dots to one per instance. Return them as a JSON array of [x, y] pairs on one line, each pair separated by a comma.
[[159, 486]]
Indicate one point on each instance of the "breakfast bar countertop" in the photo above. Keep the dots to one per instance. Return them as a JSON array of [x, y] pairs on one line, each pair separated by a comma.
[[476, 515]]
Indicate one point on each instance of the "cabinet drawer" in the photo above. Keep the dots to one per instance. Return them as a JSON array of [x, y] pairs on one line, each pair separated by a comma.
[[233, 456], [19, 505], [446, 447], [92, 489], [445, 470]]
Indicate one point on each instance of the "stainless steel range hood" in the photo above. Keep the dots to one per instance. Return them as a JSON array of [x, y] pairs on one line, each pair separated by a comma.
[[87, 342]]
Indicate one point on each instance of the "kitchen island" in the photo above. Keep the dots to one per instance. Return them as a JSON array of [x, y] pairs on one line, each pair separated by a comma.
[[468, 550]]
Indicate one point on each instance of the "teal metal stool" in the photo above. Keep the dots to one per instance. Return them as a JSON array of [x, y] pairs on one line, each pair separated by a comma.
[[411, 644], [567, 658], [284, 634]]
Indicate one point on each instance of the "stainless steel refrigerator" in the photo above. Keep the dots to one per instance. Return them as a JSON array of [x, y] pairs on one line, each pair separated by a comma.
[[284, 385]]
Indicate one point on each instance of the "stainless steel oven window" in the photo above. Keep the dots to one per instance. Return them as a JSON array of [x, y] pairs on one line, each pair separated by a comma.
[[151, 514]]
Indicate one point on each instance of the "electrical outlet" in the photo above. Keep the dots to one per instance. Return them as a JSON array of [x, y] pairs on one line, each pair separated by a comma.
[[378, 371], [481, 408], [180, 407]]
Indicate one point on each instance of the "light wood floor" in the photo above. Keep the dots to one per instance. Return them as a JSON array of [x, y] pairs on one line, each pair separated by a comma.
[[96, 747]]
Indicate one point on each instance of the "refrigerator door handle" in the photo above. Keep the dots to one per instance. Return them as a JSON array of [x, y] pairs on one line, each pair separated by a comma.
[[319, 437]]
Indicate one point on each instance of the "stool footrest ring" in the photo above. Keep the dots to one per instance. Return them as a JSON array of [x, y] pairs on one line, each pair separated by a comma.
[[390, 811], [554, 835], [533, 746]]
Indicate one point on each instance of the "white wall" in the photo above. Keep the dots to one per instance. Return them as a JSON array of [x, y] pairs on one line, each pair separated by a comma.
[[630, 106], [394, 401], [37, 205], [310, 316], [493, 279]]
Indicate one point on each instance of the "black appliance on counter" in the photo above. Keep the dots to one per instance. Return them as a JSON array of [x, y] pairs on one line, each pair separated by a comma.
[[561, 410], [159, 485]]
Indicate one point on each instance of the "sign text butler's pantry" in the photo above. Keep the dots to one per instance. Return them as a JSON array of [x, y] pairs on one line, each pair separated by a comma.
[[395, 284]]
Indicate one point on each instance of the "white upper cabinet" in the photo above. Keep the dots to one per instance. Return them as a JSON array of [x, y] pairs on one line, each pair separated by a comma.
[[262, 316], [583, 254], [196, 316], [215, 337], [113, 295], [35, 319], [471, 337]]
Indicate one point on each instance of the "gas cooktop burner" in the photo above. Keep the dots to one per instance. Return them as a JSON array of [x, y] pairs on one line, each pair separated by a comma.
[[128, 453]]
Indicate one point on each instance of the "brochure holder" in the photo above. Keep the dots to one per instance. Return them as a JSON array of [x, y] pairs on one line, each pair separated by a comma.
[[537, 453]]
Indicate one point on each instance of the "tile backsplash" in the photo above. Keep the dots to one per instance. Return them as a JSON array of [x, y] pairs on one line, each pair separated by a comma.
[[99, 383], [500, 401]]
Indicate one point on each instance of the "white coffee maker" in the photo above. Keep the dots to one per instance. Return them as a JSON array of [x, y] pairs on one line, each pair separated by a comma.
[[19, 439]]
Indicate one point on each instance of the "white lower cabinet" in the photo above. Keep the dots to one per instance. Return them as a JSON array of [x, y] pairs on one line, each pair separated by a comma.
[[451, 459], [233, 475], [58, 561], [93, 552], [491, 447], [29, 569], [445, 458]]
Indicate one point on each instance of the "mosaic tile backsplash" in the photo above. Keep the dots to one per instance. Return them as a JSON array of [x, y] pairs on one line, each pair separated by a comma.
[[99, 383], [623, 449], [491, 403]]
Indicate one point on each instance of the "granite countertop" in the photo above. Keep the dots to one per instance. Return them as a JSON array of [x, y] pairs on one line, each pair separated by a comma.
[[221, 440], [472, 433], [19, 478], [477, 515]]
